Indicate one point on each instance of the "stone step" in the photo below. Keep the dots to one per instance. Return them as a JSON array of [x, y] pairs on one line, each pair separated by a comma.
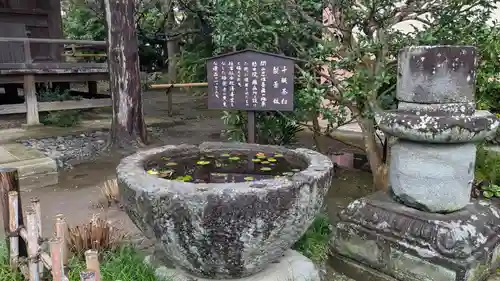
[[35, 169]]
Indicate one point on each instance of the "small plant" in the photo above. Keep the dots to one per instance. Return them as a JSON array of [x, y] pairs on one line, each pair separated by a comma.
[[66, 118], [490, 190], [487, 166], [125, 263], [97, 234], [315, 243], [48, 95], [6, 272], [110, 193]]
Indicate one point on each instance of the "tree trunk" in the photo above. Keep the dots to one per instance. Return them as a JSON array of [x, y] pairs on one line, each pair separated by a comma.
[[128, 129], [374, 154], [172, 45]]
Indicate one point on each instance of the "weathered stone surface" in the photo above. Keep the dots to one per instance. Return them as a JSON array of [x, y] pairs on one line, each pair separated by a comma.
[[227, 230], [434, 128], [437, 74], [432, 177], [292, 267], [412, 245]]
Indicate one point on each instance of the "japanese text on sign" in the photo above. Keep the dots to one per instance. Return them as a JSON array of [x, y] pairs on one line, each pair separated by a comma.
[[251, 81]]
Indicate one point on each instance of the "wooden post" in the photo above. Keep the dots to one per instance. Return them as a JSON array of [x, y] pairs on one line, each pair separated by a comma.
[[128, 129], [13, 228], [30, 100], [56, 255], [92, 261], [33, 247], [169, 103], [251, 126], [9, 181], [62, 233], [35, 203]]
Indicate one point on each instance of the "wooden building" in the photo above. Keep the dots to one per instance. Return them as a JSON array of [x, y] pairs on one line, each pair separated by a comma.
[[32, 54]]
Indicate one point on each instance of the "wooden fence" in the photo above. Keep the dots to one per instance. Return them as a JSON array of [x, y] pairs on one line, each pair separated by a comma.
[[25, 241]]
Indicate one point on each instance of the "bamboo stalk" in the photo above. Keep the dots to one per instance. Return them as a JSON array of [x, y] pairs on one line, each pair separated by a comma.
[[56, 254], [180, 85], [33, 247], [9, 181], [24, 234], [46, 260], [87, 276], [62, 232], [92, 261], [13, 228], [35, 203]]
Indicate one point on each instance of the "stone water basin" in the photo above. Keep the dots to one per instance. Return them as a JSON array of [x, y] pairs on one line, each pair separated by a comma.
[[217, 210]]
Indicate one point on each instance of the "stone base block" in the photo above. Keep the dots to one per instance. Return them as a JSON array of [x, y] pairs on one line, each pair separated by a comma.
[[406, 244], [292, 267]]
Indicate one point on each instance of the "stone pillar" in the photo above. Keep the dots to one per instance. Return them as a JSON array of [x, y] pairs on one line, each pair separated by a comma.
[[427, 228]]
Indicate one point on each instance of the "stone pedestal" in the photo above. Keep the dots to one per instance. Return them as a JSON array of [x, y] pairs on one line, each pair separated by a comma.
[[411, 245], [292, 267]]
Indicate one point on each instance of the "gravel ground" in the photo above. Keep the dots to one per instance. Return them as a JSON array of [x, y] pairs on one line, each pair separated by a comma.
[[76, 148]]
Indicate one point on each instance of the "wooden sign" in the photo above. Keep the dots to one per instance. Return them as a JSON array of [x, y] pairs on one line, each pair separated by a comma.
[[250, 80]]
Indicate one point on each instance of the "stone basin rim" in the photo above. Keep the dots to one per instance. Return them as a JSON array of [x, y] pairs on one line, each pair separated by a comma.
[[131, 169]]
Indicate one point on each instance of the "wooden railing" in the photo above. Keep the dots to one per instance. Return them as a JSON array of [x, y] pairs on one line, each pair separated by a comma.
[[29, 72], [27, 41], [37, 261]]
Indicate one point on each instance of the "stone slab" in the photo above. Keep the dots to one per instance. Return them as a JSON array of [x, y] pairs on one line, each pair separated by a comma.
[[411, 245], [35, 169], [38, 181], [292, 267], [361, 272]]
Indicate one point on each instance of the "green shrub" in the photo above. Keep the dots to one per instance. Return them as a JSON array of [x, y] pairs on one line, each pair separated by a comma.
[[63, 118], [6, 272], [315, 243], [487, 171], [124, 264]]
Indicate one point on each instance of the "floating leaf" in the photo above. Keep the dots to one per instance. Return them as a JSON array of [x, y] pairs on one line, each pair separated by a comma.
[[153, 172], [225, 155], [165, 158], [170, 164], [234, 158], [261, 156], [289, 174], [265, 162], [488, 194], [203, 162], [271, 159], [249, 178], [184, 178], [256, 160], [295, 170], [278, 155], [265, 169]]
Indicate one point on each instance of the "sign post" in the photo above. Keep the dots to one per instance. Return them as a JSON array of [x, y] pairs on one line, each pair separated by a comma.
[[251, 81]]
